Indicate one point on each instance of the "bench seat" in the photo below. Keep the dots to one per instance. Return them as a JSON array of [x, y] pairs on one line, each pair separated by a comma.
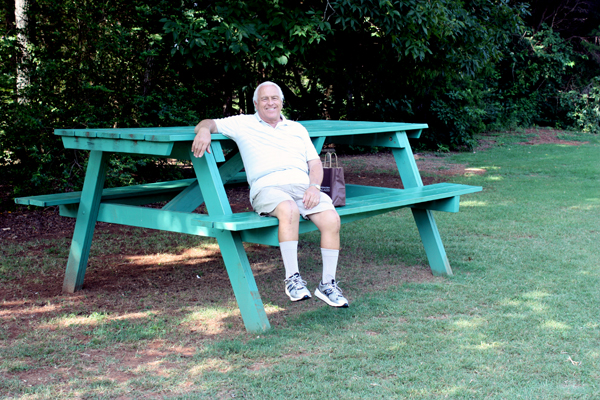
[[361, 202], [138, 194], [439, 197]]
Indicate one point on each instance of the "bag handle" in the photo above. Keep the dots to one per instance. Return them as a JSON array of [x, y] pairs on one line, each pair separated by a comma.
[[328, 158]]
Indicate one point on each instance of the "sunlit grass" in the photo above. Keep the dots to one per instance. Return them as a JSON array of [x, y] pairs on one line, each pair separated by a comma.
[[519, 318]]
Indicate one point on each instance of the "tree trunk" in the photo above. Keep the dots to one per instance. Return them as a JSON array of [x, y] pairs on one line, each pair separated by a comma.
[[21, 23]]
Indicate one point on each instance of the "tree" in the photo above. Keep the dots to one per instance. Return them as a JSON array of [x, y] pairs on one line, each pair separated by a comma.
[[21, 24]]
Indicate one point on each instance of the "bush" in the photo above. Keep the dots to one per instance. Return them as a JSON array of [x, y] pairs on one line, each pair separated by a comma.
[[584, 106]]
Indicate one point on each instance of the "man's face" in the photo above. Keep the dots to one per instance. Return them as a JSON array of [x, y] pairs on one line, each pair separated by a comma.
[[269, 104]]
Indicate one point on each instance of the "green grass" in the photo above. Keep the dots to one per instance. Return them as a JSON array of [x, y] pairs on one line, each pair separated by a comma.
[[519, 319]]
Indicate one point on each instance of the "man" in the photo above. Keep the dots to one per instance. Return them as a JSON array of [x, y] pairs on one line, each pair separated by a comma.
[[284, 172]]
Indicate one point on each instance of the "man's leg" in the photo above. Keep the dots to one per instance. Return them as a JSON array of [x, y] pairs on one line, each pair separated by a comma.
[[289, 218], [328, 223]]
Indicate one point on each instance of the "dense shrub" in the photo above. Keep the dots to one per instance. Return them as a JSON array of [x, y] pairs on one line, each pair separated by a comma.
[[584, 106], [460, 66], [90, 65]]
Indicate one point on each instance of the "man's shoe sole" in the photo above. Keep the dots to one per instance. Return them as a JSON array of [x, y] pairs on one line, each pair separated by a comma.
[[306, 297], [329, 302]]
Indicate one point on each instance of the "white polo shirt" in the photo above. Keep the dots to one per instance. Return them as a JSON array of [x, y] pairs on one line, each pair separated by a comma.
[[272, 156]]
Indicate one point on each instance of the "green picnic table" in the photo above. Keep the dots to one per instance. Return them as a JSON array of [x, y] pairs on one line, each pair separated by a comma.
[[123, 205]]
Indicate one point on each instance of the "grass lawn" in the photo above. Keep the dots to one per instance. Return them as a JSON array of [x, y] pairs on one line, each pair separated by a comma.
[[520, 318]]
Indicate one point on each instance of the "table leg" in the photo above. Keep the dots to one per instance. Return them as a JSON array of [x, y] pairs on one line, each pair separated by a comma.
[[432, 242], [231, 246], [430, 236], [86, 221]]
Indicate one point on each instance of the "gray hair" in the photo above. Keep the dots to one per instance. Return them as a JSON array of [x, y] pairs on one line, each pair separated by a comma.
[[255, 97]]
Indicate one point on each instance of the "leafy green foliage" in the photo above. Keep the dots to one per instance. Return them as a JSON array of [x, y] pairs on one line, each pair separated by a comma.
[[90, 65], [460, 66], [584, 106]]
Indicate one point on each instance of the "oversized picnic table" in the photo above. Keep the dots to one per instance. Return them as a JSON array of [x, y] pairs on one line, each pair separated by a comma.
[[124, 205]]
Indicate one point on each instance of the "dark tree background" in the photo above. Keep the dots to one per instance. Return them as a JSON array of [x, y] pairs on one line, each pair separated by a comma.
[[461, 66]]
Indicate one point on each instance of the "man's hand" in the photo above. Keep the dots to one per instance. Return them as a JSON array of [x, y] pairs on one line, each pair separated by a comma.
[[202, 140], [312, 197]]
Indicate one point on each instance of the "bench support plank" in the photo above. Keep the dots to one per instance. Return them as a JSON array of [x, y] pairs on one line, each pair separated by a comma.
[[448, 205], [231, 246], [86, 221], [142, 217], [432, 242], [430, 236]]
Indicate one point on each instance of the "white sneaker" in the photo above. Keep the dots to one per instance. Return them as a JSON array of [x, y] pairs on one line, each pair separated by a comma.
[[331, 294], [296, 289]]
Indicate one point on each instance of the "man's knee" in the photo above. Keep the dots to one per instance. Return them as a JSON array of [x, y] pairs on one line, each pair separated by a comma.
[[327, 221], [335, 220], [287, 211]]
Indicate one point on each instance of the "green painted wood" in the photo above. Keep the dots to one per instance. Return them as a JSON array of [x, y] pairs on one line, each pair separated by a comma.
[[448, 205], [132, 135], [231, 169], [231, 246], [191, 198], [119, 146], [414, 134], [152, 218], [408, 197], [373, 140], [238, 221], [144, 217], [390, 200], [211, 185], [432, 242], [428, 230], [405, 161], [318, 142], [64, 132], [268, 236], [242, 281], [141, 200], [175, 142], [340, 128], [48, 200], [187, 200], [240, 177], [317, 128], [143, 191], [86, 222], [362, 190], [140, 194], [217, 151], [181, 151]]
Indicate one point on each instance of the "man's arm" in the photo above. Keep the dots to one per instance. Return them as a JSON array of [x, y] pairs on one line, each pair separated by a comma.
[[312, 196], [202, 140]]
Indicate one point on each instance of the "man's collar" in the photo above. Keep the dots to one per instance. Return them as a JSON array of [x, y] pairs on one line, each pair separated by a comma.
[[284, 120]]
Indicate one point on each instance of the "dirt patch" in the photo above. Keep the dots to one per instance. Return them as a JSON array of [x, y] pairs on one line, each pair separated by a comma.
[[549, 136], [536, 136]]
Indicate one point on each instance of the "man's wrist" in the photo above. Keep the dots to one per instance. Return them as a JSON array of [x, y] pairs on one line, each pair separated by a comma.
[[315, 185]]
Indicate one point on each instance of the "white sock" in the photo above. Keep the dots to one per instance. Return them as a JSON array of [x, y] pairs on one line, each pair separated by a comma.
[[289, 253], [330, 260]]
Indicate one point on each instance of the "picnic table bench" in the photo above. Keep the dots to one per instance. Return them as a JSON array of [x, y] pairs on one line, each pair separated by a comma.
[[123, 205]]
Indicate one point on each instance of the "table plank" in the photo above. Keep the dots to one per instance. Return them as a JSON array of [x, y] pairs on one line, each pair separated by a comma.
[[315, 129]]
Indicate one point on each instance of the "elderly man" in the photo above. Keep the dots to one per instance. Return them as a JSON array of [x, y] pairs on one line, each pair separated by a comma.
[[284, 172]]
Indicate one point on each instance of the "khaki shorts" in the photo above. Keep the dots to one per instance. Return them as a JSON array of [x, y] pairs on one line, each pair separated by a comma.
[[268, 198]]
